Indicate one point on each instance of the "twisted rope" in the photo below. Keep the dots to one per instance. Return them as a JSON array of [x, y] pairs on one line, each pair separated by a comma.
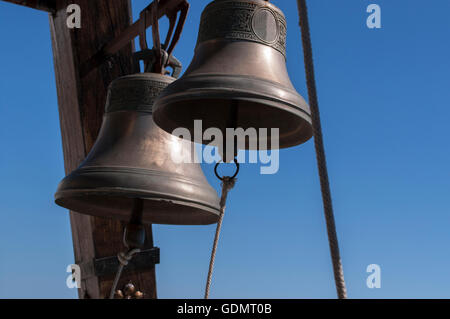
[[320, 151], [227, 185], [124, 259]]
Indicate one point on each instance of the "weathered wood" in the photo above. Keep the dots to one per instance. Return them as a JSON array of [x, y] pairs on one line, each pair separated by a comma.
[[45, 5], [81, 106]]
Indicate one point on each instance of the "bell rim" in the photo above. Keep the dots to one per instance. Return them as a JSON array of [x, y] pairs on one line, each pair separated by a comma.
[[69, 192], [201, 209], [209, 78], [282, 145], [183, 91]]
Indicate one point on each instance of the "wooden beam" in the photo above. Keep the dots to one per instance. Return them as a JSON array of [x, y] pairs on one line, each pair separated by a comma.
[[44, 5], [81, 106], [164, 7]]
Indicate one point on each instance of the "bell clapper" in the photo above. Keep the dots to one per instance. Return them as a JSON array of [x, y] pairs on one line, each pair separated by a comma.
[[133, 239], [134, 234], [231, 123]]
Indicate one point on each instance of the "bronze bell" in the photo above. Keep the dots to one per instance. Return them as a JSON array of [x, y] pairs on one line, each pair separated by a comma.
[[132, 159], [238, 76]]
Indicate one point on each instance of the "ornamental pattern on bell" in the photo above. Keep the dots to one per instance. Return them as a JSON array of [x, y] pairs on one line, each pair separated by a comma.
[[133, 95], [244, 21]]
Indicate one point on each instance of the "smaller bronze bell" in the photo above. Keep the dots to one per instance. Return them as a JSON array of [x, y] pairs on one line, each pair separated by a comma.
[[132, 159], [238, 77]]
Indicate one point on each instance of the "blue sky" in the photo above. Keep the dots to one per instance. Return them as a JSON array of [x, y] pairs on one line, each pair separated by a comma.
[[384, 96]]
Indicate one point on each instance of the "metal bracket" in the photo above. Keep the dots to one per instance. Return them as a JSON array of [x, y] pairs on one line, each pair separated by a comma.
[[145, 260], [149, 57], [158, 9]]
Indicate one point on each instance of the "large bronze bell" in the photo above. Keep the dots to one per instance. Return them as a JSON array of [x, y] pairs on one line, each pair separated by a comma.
[[132, 159], [238, 77]]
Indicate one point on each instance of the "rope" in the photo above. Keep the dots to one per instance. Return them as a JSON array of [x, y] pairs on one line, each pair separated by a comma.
[[320, 151], [227, 185], [124, 259]]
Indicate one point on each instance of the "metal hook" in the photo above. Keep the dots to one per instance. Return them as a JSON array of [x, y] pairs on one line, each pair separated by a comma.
[[222, 178]]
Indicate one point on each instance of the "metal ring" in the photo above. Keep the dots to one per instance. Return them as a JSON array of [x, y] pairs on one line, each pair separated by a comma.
[[235, 174]]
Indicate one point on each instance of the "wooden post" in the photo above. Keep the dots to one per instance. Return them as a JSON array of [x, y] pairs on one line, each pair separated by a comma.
[[81, 106]]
